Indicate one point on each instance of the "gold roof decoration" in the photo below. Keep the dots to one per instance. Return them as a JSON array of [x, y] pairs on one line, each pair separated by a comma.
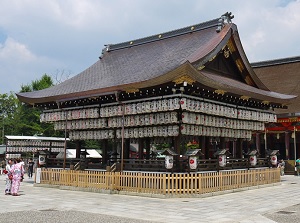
[[184, 78], [226, 53], [266, 102], [231, 46], [132, 90], [244, 97], [219, 91], [201, 67], [211, 59], [240, 65], [249, 80]]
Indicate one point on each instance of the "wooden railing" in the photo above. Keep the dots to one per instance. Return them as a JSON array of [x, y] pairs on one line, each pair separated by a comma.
[[158, 165], [161, 183]]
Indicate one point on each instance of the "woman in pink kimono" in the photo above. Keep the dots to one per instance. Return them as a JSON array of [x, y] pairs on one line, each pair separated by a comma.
[[17, 171]]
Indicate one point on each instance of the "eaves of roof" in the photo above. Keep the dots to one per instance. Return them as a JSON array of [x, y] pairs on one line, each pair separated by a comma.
[[280, 61]]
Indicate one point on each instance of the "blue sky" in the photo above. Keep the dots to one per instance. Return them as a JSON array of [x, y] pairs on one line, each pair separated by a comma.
[[55, 37]]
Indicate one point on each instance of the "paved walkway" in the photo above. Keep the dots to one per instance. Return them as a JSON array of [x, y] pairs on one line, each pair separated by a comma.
[[279, 203]]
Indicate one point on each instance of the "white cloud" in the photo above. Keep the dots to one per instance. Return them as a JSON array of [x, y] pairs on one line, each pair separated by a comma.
[[19, 66], [12, 50]]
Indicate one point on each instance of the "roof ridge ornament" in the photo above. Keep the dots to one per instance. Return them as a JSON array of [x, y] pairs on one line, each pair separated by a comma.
[[104, 50], [226, 17]]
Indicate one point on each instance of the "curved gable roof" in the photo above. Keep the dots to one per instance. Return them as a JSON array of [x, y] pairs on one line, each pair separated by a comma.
[[278, 71], [139, 62]]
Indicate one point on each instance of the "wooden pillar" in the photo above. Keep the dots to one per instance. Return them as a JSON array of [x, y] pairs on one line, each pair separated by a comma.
[[222, 143], [295, 144], [239, 148], [126, 148], [147, 145], [78, 148], [287, 145], [202, 145], [104, 147], [257, 142], [234, 148], [177, 141], [141, 148], [207, 147]]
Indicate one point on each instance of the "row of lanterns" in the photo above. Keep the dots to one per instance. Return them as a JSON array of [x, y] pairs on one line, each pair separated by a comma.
[[27, 143], [194, 118], [159, 106], [21, 149], [160, 131], [98, 134], [160, 118], [156, 140], [226, 111], [114, 122], [83, 113], [82, 124], [22, 143], [141, 107], [196, 130]]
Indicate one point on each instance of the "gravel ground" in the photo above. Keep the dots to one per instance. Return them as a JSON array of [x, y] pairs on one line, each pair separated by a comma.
[[55, 216], [286, 215]]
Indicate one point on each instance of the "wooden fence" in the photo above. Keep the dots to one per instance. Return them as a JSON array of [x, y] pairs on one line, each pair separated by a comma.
[[167, 184]]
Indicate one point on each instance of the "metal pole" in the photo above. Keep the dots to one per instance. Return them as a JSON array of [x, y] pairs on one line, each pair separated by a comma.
[[65, 145], [3, 138], [295, 149], [122, 152], [265, 139]]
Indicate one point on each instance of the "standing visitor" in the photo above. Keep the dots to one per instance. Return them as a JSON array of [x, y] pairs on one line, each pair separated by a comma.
[[281, 165], [30, 168], [2, 167], [297, 165], [17, 172], [8, 177]]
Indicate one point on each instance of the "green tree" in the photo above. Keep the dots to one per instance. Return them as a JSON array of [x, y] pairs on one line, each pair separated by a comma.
[[30, 117], [17, 118], [45, 82], [8, 108]]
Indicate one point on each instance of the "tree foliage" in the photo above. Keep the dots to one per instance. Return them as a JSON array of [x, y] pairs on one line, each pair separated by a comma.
[[45, 82], [17, 118], [21, 119]]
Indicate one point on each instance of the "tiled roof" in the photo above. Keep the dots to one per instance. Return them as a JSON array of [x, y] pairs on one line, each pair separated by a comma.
[[281, 75], [228, 84], [122, 65], [153, 60]]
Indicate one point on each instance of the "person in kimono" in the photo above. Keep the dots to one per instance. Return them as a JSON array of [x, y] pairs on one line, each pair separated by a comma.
[[7, 179], [17, 171]]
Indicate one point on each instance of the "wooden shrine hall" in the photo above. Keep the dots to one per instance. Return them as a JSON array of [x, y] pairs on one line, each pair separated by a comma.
[[190, 86], [282, 135]]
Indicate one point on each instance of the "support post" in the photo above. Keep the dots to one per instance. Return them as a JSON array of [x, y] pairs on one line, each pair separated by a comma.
[[65, 145]]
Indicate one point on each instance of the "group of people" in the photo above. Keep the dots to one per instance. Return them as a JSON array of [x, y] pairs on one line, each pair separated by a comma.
[[14, 171]]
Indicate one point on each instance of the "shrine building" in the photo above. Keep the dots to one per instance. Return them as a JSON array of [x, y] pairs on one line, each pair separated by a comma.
[[190, 86]]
